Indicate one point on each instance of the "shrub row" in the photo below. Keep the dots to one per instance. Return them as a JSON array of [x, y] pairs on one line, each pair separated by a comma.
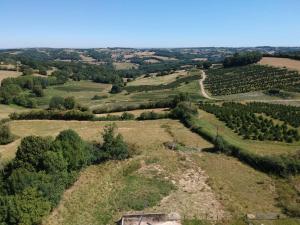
[[82, 116], [121, 108], [53, 115], [153, 116]]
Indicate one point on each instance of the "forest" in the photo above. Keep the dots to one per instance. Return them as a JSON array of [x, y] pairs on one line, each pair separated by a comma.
[[242, 59]]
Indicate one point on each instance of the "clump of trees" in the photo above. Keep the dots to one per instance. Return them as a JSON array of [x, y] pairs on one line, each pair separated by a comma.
[[242, 59], [5, 135], [33, 183], [152, 116], [13, 90], [183, 111], [60, 103], [116, 88]]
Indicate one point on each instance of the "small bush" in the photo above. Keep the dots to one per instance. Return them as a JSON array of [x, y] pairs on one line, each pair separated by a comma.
[[5, 135]]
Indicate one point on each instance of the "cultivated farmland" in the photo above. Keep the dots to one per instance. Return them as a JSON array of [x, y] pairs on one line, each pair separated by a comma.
[[250, 78]]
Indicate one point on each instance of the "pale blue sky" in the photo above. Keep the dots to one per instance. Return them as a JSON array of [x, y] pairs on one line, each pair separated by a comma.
[[151, 23]]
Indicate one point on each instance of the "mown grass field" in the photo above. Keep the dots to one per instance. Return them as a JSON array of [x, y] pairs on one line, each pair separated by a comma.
[[212, 125]]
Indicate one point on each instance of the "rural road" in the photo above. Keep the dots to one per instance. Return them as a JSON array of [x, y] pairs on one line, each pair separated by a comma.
[[202, 90]]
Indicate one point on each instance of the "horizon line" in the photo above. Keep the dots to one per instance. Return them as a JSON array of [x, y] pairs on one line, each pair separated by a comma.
[[123, 47]]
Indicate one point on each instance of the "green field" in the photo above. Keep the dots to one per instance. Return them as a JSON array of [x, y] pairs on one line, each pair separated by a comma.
[[83, 91]]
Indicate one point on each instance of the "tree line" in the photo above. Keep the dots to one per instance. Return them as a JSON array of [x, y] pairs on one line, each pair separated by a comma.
[[242, 59]]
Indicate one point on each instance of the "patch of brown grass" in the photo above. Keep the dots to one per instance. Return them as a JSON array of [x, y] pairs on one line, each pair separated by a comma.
[[6, 74], [281, 62], [240, 188]]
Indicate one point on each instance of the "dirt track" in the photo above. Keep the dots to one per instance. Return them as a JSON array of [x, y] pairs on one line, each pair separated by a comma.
[[202, 89], [193, 197]]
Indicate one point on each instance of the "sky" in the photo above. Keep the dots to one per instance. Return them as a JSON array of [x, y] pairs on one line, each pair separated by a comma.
[[152, 23]]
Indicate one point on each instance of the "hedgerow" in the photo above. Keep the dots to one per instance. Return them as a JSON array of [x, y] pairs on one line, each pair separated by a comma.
[[131, 107]]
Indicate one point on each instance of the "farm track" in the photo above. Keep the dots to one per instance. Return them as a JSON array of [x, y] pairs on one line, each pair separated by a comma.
[[202, 89]]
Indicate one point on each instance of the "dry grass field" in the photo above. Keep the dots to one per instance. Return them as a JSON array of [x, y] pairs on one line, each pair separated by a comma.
[[124, 65], [5, 74], [206, 185], [146, 132], [5, 110], [281, 62], [157, 80], [239, 187]]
